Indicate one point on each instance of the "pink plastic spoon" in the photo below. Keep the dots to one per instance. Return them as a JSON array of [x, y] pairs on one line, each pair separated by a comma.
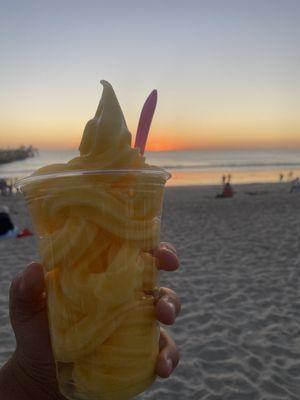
[[145, 121]]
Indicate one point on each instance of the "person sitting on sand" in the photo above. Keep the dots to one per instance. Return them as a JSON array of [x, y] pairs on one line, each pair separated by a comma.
[[8, 229], [30, 373], [227, 191]]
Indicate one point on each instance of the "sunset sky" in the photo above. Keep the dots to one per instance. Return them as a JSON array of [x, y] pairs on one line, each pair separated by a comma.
[[226, 71]]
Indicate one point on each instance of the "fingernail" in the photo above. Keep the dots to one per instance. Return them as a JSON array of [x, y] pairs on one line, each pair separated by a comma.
[[30, 280], [168, 246], [29, 270], [169, 364], [21, 283]]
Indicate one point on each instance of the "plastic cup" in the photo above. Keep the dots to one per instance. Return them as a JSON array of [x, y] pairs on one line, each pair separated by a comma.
[[96, 234]]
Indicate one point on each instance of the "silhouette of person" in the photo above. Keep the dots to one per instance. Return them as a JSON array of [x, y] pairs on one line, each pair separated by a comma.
[[290, 175], [281, 176], [227, 191]]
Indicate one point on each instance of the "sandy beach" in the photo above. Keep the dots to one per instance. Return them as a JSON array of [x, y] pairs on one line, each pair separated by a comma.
[[239, 330]]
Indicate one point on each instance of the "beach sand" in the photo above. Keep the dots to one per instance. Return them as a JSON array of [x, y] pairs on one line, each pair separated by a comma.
[[239, 281]]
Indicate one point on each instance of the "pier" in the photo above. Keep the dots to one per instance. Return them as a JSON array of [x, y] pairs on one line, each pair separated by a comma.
[[21, 153]]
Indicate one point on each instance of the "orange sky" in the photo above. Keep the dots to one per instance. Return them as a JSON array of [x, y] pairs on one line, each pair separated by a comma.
[[186, 122], [207, 137], [227, 76]]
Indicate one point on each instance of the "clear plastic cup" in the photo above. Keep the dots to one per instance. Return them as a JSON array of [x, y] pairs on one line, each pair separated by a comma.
[[96, 234]]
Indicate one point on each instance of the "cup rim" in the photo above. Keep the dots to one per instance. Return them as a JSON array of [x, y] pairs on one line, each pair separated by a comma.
[[151, 172]]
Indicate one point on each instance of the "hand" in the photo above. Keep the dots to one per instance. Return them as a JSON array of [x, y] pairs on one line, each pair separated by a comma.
[[32, 364]]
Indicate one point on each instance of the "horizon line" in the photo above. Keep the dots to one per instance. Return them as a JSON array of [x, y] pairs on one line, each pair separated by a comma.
[[205, 148]]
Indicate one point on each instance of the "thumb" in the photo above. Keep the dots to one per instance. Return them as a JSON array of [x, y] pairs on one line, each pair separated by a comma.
[[33, 356], [26, 294], [28, 310]]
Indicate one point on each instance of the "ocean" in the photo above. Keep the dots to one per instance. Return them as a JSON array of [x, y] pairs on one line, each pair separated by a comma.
[[196, 167]]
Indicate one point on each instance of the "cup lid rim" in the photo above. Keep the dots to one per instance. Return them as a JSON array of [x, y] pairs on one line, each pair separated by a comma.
[[149, 172]]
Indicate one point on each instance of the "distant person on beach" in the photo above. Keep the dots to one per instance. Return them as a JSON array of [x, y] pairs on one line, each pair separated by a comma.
[[8, 229], [227, 191], [226, 179], [281, 176], [5, 188], [290, 175], [30, 372]]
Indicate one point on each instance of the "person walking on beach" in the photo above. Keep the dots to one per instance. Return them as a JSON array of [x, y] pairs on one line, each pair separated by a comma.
[[281, 176], [30, 373]]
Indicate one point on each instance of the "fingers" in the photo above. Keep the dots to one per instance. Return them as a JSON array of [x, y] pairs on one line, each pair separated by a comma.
[[167, 306], [26, 291], [168, 357], [166, 257]]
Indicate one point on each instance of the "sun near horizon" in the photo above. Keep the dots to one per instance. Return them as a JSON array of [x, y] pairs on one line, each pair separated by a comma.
[[227, 77], [163, 136], [166, 142]]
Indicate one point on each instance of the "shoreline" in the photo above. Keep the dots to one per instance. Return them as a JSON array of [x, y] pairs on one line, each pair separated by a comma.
[[206, 175], [186, 181], [235, 185], [244, 187], [238, 177]]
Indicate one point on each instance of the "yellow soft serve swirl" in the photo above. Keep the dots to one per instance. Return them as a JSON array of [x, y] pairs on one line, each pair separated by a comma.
[[108, 129], [97, 217]]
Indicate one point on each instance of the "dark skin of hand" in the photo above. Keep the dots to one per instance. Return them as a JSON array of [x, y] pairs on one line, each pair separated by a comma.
[[30, 372]]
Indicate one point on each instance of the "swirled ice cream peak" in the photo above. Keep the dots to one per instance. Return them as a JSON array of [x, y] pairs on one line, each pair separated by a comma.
[[108, 128], [106, 141]]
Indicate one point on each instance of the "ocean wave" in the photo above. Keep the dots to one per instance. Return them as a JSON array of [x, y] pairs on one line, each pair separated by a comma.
[[204, 166]]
